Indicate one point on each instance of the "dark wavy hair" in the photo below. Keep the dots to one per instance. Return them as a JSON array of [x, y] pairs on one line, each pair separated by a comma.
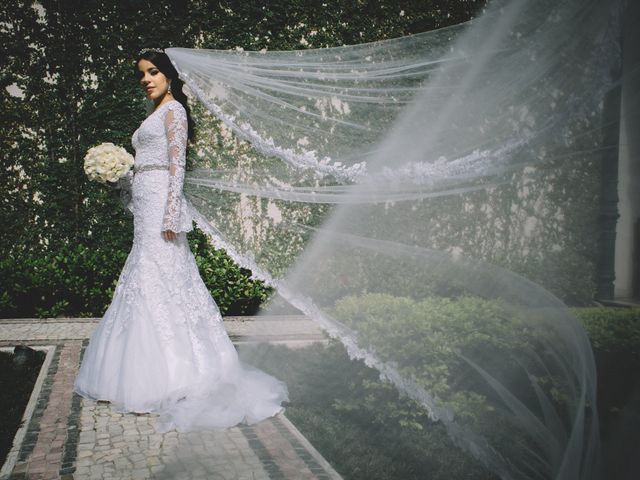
[[162, 62]]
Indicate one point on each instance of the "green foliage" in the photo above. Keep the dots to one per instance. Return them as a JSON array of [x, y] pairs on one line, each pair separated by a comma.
[[59, 281], [613, 330], [428, 340], [367, 430], [359, 423], [77, 280], [231, 286], [425, 340]]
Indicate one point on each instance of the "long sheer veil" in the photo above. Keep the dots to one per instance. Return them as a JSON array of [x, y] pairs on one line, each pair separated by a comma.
[[393, 190]]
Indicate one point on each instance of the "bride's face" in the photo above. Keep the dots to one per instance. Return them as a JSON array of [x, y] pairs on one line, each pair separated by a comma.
[[154, 83]]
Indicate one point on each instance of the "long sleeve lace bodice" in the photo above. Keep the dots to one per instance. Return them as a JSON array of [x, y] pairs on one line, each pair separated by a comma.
[[157, 184]]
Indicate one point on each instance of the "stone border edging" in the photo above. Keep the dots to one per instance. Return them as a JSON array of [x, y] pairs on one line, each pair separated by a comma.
[[14, 453]]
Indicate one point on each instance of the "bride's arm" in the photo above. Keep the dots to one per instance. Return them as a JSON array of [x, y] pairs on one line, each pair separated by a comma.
[[175, 124]]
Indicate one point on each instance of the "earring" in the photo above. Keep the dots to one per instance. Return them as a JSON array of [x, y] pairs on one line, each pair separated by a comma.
[[169, 89]]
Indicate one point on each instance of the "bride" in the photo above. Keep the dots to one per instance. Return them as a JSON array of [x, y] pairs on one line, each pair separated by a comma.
[[161, 346]]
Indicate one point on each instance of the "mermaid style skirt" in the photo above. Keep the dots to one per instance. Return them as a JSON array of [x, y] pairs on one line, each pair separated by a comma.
[[161, 346]]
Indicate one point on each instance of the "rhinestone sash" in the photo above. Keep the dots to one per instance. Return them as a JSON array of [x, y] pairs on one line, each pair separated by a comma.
[[144, 168]]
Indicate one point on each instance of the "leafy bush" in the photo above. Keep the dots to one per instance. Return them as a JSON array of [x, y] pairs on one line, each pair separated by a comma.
[[427, 340], [78, 280], [357, 421], [230, 285], [441, 344], [367, 430], [67, 280], [612, 330]]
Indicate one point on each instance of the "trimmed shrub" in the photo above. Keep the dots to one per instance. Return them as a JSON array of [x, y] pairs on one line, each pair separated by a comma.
[[366, 429]]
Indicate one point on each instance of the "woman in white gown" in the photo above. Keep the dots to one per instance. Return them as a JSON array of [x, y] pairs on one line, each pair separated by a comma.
[[161, 346]]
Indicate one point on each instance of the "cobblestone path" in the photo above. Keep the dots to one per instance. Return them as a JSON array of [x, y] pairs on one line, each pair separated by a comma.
[[68, 437]]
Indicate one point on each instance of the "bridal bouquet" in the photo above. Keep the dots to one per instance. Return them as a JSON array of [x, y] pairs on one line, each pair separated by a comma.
[[107, 162]]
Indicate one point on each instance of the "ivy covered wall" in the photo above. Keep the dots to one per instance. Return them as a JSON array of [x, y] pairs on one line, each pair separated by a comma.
[[67, 84]]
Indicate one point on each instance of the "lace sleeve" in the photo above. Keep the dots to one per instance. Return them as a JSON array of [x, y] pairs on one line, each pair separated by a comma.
[[175, 125]]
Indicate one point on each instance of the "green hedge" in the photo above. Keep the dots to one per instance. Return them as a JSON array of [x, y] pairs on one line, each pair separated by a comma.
[[612, 330], [360, 424], [426, 340], [367, 430], [230, 285], [76, 280]]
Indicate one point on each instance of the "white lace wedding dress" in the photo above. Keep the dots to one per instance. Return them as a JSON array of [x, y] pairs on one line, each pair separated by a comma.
[[161, 346]]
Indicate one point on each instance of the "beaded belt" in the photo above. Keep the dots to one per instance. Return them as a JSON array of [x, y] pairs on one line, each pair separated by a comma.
[[144, 168]]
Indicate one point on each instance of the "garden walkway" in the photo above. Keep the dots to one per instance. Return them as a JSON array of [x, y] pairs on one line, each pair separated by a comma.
[[68, 437]]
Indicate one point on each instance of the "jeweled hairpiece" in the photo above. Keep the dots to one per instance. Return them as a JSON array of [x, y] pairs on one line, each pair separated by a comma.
[[146, 50]]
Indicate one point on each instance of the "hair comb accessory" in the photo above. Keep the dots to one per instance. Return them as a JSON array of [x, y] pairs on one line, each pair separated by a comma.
[[147, 50]]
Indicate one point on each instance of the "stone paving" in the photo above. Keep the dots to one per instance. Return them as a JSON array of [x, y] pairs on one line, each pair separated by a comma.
[[294, 330], [68, 437]]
